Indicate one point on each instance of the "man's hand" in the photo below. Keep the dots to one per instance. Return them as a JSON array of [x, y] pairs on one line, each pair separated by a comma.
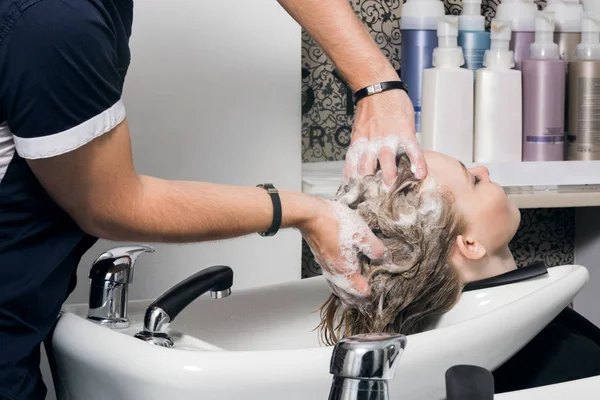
[[385, 123], [383, 128], [337, 237]]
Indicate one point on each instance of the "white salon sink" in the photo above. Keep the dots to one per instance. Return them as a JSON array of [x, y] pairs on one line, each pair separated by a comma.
[[261, 344]]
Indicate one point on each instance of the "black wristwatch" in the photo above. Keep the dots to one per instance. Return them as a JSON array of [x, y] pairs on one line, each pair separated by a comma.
[[274, 194], [378, 88]]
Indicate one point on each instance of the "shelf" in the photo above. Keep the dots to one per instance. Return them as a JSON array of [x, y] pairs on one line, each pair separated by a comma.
[[528, 184]]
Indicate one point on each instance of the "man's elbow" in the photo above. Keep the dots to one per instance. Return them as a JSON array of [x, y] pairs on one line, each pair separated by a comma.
[[105, 223]]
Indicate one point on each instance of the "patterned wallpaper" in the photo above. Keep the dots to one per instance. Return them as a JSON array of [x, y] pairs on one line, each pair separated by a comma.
[[544, 235], [326, 116]]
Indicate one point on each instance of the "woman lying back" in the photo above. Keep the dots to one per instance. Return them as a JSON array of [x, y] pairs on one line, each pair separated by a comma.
[[450, 229]]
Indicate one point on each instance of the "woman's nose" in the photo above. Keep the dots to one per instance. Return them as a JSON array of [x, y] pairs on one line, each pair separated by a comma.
[[482, 172]]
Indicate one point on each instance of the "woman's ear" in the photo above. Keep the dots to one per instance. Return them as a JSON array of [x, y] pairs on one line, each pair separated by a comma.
[[469, 248]]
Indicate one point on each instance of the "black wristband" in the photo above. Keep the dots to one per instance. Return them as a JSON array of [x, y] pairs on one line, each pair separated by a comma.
[[378, 88], [274, 194]]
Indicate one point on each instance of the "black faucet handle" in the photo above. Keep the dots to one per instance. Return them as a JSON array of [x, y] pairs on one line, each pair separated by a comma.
[[469, 382], [218, 278]]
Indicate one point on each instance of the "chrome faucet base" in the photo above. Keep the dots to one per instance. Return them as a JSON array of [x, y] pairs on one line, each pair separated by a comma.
[[155, 338], [113, 323]]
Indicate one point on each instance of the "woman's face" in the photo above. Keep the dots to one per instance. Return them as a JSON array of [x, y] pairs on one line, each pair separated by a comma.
[[490, 216]]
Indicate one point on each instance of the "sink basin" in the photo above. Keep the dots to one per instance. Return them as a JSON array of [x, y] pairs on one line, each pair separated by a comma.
[[261, 344]]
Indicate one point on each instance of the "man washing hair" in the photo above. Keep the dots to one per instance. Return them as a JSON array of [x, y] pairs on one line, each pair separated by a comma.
[[65, 156]]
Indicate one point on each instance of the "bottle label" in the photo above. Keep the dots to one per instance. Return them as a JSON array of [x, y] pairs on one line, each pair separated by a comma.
[[587, 139], [550, 135], [589, 110], [545, 139]]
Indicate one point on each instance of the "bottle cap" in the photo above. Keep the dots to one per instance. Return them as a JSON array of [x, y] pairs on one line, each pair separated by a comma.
[[471, 19], [499, 55], [421, 14], [544, 47], [447, 27], [500, 30], [567, 14], [589, 48], [520, 12], [448, 54]]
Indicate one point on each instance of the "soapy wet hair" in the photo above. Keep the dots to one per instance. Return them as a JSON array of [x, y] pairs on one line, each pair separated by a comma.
[[419, 227]]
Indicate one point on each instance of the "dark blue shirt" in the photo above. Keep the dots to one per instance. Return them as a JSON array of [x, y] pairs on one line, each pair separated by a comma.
[[62, 68]]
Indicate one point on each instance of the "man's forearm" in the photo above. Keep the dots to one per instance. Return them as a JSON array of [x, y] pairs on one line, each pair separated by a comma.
[[180, 212], [337, 29]]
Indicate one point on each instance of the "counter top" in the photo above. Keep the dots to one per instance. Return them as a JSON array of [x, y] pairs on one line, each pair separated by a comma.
[[323, 179]]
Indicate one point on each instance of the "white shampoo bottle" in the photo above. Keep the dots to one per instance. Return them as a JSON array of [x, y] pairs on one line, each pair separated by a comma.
[[498, 102], [447, 97]]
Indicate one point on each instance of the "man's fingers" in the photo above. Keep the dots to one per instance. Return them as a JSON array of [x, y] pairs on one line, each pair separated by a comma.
[[353, 158], [417, 161], [360, 284], [387, 161], [373, 248], [368, 163]]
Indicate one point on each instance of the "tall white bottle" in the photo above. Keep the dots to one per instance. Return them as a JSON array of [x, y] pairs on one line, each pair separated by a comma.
[[447, 98], [498, 102], [591, 5]]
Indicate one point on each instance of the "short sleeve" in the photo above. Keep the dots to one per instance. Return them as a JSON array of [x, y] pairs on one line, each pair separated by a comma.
[[60, 84]]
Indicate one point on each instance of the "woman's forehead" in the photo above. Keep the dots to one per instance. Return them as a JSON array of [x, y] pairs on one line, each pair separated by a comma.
[[447, 170]]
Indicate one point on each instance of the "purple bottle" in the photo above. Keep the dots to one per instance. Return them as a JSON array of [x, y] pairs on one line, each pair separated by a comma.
[[521, 13], [543, 95], [419, 38]]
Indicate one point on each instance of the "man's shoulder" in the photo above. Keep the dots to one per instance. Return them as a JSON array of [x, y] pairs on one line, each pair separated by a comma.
[[42, 17]]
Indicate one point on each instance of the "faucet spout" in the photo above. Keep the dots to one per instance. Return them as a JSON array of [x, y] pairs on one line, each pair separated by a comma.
[[110, 276], [217, 279]]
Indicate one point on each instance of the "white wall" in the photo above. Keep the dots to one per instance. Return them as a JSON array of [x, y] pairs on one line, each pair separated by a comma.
[[587, 253], [214, 94]]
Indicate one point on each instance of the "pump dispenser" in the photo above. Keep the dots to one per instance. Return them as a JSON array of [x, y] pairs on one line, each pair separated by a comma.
[[419, 37], [568, 26], [584, 91], [521, 14], [472, 37], [447, 119], [589, 47], [591, 5], [498, 108], [543, 95]]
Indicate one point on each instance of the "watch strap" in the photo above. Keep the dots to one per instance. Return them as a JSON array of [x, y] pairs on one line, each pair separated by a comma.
[[378, 88], [277, 211]]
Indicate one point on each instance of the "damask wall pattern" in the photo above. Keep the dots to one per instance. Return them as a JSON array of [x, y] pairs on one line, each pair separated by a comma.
[[544, 234], [326, 122]]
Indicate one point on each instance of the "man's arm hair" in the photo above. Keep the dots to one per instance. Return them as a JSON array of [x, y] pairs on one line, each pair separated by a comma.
[[97, 185], [344, 38]]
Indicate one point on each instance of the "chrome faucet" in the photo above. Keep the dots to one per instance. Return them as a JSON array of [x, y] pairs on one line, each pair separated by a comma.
[[110, 277], [217, 279], [361, 366]]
